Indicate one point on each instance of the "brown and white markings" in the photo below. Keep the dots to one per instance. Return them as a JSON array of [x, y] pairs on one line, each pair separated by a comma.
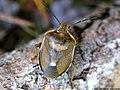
[[57, 49]]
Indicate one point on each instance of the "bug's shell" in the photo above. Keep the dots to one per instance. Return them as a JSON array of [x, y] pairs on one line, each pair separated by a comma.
[[56, 53]]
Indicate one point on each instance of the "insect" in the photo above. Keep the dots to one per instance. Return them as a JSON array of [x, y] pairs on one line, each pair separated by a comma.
[[56, 51]]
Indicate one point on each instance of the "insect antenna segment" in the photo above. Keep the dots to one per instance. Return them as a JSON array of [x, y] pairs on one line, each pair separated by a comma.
[[51, 13], [86, 19]]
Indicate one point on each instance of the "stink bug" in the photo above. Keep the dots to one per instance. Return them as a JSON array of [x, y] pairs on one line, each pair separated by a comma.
[[57, 49]]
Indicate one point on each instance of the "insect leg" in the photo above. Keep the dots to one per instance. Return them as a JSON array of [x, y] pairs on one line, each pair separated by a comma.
[[73, 74], [36, 52], [36, 48], [85, 72]]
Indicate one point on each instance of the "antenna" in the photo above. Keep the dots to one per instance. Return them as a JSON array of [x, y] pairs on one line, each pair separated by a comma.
[[86, 19], [51, 12]]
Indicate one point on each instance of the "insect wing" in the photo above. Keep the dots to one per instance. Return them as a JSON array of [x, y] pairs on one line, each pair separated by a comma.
[[66, 58], [47, 55], [44, 55]]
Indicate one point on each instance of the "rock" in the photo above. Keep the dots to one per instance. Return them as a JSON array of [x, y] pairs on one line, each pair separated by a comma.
[[97, 61]]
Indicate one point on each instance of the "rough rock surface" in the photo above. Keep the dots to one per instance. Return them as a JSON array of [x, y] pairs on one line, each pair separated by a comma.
[[98, 51]]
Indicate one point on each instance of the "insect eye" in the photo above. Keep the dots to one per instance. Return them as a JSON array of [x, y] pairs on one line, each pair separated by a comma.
[[68, 26], [64, 40]]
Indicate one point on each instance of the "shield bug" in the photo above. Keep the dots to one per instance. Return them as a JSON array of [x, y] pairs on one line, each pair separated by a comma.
[[57, 49]]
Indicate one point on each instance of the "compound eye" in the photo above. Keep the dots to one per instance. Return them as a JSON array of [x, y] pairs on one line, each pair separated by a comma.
[[69, 27]]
